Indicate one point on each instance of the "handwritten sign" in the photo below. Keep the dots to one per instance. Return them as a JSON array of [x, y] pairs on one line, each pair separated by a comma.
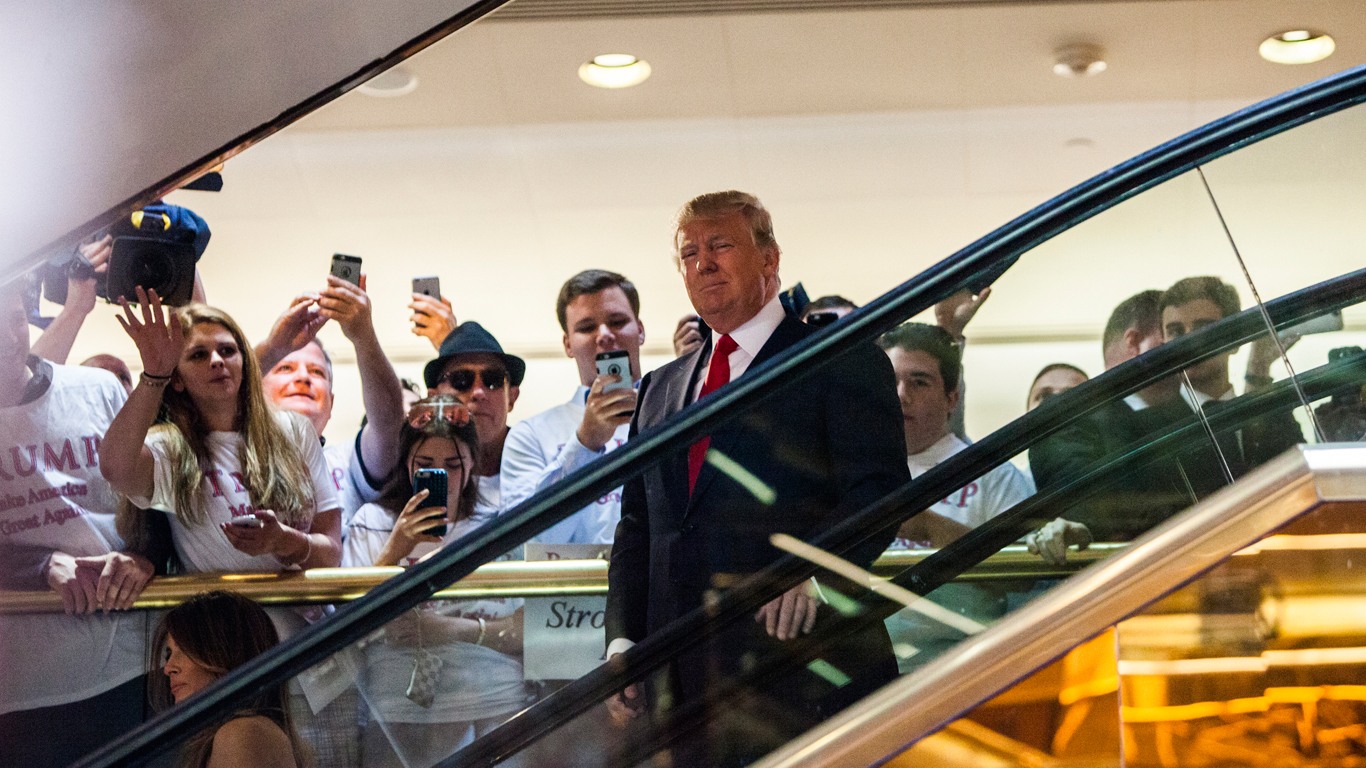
[[565, 637]]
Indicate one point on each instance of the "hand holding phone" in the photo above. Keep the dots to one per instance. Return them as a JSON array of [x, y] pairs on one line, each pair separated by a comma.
[[616, 363], [246, 521]]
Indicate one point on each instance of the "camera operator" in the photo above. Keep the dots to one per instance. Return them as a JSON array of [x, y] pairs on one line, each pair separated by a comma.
[[599, 312], [299, 378]]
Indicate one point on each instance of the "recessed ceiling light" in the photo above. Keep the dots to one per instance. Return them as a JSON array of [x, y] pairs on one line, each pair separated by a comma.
[[614, 70], [1297, 46], [389, 83], [1080, 60]]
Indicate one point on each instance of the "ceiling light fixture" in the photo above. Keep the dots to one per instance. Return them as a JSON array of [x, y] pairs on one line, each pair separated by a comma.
[[1079, 60], [614, 70], [1297, 46], [389, 83]]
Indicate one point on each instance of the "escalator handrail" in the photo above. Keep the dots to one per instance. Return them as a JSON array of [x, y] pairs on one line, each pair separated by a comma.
[[912, 297], [1156, 564]]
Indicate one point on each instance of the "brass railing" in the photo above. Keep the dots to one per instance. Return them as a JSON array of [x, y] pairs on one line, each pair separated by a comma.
[[501, 579]]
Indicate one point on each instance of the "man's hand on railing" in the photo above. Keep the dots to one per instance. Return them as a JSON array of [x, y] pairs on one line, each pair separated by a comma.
[[1052, 540], [100, 582]]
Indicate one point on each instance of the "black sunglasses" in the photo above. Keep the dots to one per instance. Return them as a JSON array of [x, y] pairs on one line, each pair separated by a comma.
[[462, 379]]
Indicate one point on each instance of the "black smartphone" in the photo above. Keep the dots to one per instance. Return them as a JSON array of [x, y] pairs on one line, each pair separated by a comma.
[[616, 363], [428, 286], [346, 267], [434, 482]]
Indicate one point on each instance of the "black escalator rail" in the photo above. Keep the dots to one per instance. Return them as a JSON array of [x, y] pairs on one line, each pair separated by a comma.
[[916, 295]]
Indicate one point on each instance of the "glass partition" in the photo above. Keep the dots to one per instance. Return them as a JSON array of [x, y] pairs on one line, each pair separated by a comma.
[[787, 547]]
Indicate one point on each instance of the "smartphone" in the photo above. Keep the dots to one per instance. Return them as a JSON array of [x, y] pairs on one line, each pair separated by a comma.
[[434, 482], [1325, 323], [428, 286], [346, 267], [247, 521], [616, 363]]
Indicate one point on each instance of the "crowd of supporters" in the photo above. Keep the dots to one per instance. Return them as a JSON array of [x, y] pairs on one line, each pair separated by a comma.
[[210, 460]]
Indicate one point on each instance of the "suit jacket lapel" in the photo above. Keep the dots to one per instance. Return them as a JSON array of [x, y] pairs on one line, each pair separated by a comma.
[[788, 332], [678, 393]]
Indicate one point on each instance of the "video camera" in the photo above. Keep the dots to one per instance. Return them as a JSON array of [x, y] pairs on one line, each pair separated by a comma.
[[155, 247]]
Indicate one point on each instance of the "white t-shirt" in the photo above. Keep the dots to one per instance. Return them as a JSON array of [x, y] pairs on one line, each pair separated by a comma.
[[475, 682], [543, 450], [52, 495], [348, 479], [977, 502], [973, 504], [204, 547]]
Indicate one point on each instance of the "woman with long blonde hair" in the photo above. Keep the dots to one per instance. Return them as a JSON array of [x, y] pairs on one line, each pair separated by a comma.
[[245, 486]]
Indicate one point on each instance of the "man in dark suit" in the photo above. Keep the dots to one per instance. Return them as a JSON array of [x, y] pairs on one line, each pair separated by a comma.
[[809, 457]]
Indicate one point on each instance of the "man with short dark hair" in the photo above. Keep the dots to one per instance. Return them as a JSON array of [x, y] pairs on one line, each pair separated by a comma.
[[473, 367], [1134, 327], [826, 448], [599, 311]]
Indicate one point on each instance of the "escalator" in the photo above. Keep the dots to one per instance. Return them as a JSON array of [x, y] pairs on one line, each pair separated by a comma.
[[1197, 484]]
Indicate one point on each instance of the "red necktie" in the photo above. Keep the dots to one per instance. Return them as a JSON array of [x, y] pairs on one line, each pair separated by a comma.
[[717, 375]]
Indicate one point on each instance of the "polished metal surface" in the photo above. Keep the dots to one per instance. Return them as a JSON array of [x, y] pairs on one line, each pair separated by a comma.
[[503, 579], [1307, 478]]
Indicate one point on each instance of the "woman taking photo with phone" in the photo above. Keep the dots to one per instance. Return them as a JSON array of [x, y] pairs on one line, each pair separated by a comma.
[[245, 486], [448, 671], [200, 641]]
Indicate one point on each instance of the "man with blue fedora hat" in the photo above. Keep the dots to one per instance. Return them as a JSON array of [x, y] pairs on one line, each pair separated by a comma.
[[473, 367]]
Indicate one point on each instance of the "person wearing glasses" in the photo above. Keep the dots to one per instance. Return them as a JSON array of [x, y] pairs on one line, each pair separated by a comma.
[[298, 377], [449, 670], [473, 367], [599, 312]]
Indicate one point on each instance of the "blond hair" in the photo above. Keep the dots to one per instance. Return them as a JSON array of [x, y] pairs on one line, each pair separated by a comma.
[[273, 469], [717, 205]]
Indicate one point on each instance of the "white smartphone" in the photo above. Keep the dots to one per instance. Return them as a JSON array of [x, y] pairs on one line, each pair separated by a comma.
[[247, 521], [428, 286], [616, 363]]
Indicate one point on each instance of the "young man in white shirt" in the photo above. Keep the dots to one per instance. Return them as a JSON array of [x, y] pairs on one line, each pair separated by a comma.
[[599, 311]]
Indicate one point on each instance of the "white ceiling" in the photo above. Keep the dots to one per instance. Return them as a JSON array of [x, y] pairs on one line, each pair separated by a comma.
[[881, 140]]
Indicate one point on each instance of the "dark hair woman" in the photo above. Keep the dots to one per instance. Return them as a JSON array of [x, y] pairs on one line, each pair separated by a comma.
[[203, 639], [447, 671]]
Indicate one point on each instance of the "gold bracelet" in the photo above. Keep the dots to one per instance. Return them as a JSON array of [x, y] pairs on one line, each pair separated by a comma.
[[483, 630]]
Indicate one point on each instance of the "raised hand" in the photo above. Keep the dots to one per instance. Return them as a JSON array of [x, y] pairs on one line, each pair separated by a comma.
[[349, 305], [954, 313], [160, 342], [294, 328], [432, 318], [687, 336], [80, 292]]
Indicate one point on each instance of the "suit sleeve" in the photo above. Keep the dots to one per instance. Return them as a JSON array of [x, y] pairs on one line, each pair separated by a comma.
[[628, 574], [867, 443]]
